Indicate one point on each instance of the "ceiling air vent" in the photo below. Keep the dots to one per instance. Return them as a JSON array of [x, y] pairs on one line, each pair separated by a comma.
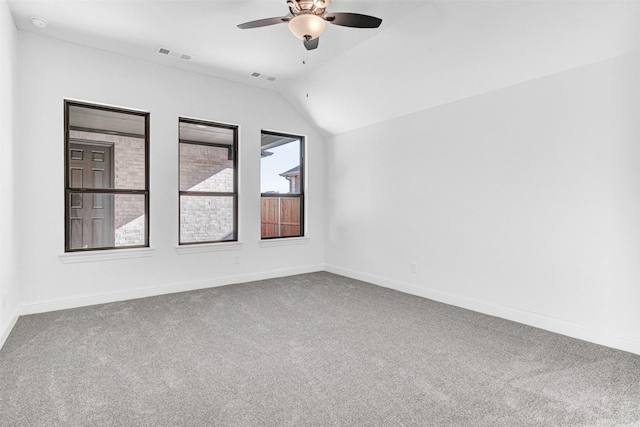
[[174, 54], [263, 76]]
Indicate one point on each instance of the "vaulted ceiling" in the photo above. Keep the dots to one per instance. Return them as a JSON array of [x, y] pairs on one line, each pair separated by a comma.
[[425, 53]]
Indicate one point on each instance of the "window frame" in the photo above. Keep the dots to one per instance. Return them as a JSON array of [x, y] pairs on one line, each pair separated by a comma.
[[68, 190], [234, 194], [302, 195]]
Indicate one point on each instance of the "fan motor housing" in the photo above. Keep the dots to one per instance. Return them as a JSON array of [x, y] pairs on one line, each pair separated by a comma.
[[315, 7]]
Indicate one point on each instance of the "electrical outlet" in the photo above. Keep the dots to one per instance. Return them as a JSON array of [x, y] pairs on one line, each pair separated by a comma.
[[236, 259], [413, 267]]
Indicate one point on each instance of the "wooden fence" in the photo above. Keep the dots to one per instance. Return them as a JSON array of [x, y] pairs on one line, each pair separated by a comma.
[[280, 216]]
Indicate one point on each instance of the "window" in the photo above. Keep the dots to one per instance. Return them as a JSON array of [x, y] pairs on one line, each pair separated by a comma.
[[281, 185], [208, 182], [106, 177]]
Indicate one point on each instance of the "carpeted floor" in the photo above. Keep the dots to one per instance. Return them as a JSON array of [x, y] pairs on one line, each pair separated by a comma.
[[309, 350]]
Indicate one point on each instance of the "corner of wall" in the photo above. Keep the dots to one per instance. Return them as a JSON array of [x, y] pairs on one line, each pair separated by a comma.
[[5, 329], [9, 291], [536, 320], [493, 196]]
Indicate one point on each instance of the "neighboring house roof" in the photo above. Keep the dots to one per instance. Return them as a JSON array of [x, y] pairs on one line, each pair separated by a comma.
[[292, 172]]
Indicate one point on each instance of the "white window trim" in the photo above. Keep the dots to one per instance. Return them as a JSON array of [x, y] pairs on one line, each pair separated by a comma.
[[105, 255], [208, 247], [285, 241]]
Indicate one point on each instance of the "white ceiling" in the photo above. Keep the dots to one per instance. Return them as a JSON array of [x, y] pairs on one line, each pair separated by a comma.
[[425, 54]]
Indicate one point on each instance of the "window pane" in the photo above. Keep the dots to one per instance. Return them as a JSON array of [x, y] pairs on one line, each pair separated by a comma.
[[85, 117], [207, 164], [206, 219], [206, 168], [210, 133], [130, 219], [280, 165], [106, 149], [282, 188], [280, 216], [106, 220]]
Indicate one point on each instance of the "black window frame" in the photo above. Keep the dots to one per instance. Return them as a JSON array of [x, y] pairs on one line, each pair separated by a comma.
[[234, 153], [302, 195], [67, 181]]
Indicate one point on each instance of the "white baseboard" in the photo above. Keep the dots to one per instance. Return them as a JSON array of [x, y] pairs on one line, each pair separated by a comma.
[[528, 318], [168, 288], [5, 330], [559, 326]]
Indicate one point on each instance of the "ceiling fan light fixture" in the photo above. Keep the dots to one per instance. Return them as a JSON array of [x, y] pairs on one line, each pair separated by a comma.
[[307, 26]]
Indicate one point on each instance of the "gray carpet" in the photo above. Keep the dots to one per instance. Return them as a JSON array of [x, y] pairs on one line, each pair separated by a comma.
[[309, 350]]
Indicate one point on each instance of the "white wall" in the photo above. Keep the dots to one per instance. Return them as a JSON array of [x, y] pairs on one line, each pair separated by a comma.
[[9, 291], [522, 203], [51, 71]]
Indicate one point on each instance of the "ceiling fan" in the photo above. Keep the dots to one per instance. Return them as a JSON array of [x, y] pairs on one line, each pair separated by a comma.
[[308, 19]]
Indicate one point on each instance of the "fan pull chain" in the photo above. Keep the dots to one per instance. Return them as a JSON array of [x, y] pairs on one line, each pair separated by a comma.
[[306, 62]]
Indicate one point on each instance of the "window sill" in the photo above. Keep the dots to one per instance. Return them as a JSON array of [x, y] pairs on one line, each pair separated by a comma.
[[208, 247], [286, 241], [106, 255]]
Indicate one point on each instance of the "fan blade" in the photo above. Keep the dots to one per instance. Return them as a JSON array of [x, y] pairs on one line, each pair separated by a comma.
[[354, 20], [264, 22], [311, 44]]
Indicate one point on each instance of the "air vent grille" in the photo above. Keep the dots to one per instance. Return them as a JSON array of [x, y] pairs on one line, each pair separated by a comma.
[[174, 54], [262, 76]]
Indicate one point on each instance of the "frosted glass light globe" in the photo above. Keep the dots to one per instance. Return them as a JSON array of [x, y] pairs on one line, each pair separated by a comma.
[[307, 26]]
